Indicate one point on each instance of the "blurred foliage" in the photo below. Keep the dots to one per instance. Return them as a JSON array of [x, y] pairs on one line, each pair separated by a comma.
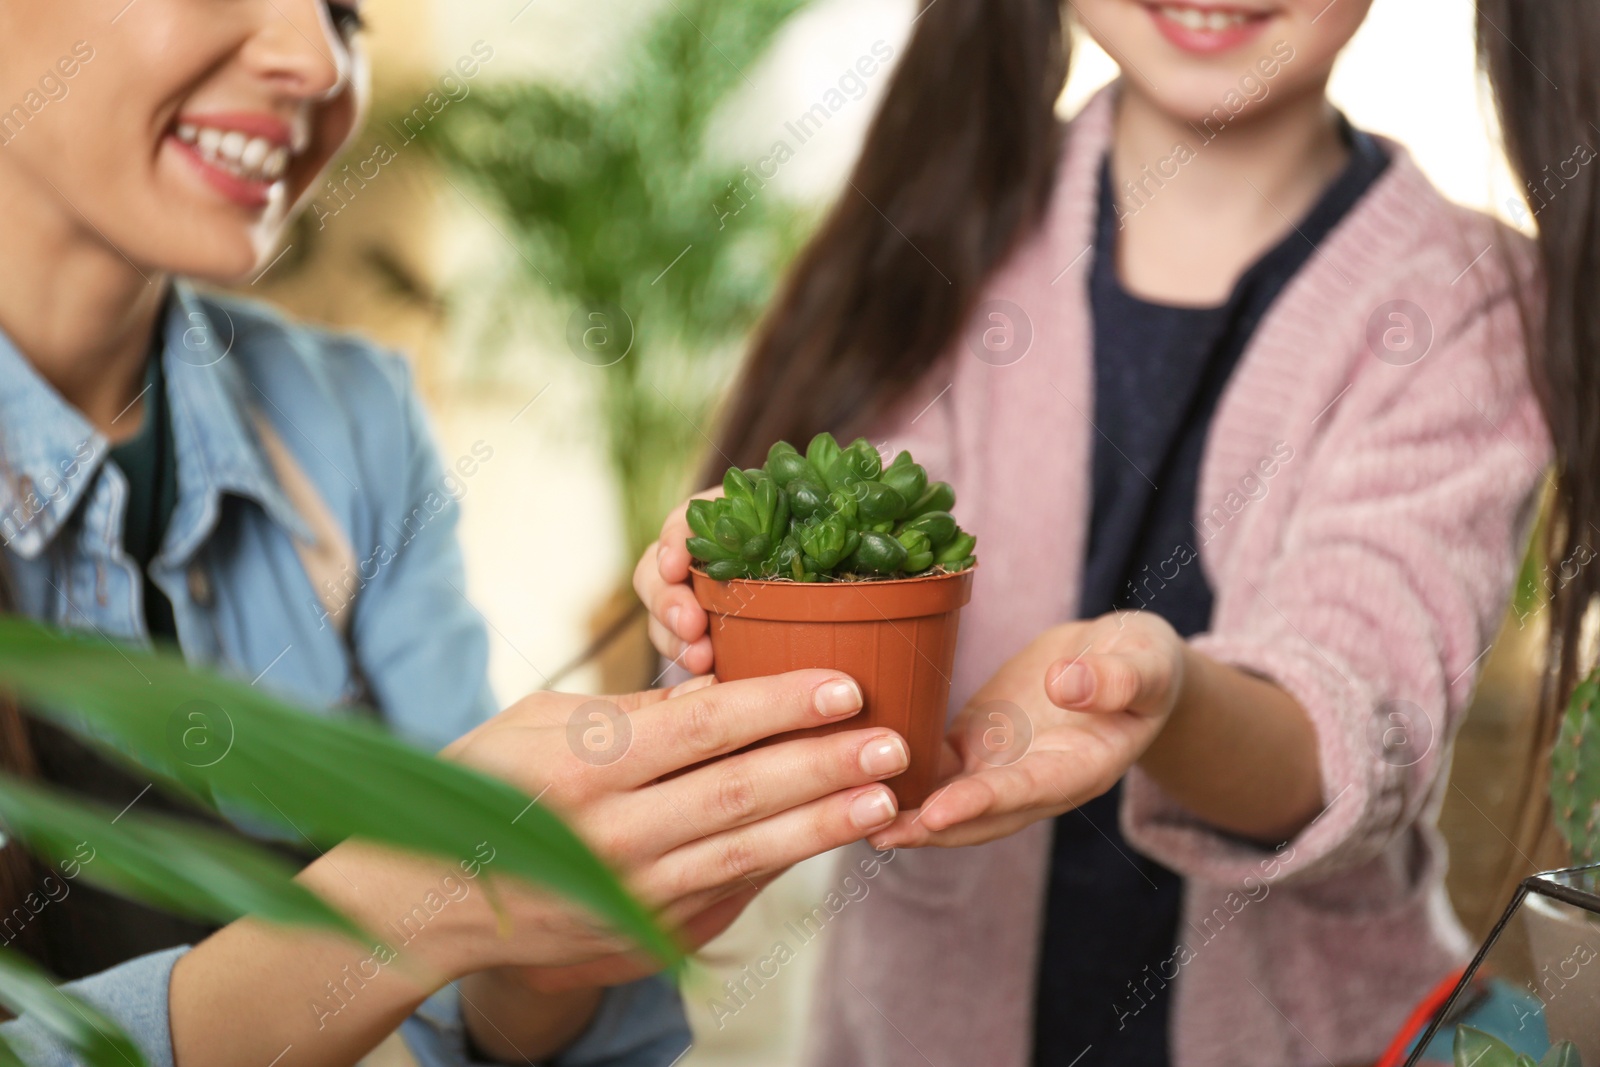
[[657, 252], [239, 752]]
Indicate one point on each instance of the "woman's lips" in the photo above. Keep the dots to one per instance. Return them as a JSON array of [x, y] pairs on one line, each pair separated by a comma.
[[240, 155], [1206, 30], [241, 160], [245, 192]]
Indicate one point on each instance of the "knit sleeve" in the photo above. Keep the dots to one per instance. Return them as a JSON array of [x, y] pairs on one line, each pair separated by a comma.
[[1386, 585]]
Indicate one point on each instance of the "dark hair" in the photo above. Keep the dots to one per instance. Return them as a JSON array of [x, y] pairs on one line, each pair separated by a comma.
[[959, 162], [1539, 58]]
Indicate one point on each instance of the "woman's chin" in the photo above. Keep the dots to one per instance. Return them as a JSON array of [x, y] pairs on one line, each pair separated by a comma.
[[221, 255]]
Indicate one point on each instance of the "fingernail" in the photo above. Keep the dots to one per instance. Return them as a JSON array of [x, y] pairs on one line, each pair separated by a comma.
[[885, 756], [691, 685], [1076, 684], [839, 697], [872, 809], [672, 619]]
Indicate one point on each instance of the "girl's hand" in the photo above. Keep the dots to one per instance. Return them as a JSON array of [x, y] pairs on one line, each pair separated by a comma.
[[1057, 725], [677, 621], [684, 834]]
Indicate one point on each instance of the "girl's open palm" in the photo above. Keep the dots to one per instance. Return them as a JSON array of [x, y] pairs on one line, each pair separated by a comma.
[[1059, 724]]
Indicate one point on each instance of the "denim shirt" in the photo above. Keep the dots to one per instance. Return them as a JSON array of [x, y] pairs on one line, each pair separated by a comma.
[[416, 651]]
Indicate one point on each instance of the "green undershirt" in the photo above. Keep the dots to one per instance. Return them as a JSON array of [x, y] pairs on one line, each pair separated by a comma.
[[150, 464]]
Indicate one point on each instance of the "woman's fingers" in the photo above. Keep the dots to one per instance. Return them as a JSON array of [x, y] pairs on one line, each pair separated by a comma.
[[621, 967], [670, 735], [754, 785], [752, 852]]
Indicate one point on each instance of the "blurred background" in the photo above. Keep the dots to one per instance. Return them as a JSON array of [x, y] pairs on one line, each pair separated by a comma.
[[570, 243]]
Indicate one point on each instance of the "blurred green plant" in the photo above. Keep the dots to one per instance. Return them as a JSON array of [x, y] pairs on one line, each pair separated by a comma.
[[233, 749], [1575, 773], [1475, 1048], [662, 251]]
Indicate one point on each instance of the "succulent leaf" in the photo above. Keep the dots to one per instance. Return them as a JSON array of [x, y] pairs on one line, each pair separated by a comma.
[[861, 461], [919, 551], [1475, 1048], [878, 554], [937, 497], [844, 505], [736, 485], [785, 465], [833, 512], [822, 451], [907, 478], [940, 526], [706, 549], [725, 570], [958, 549], [807, 498], [876, 502], [702, 518]]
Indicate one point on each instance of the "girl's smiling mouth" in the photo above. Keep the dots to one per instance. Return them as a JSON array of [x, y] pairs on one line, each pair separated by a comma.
[[1206, 28], [242, 156]]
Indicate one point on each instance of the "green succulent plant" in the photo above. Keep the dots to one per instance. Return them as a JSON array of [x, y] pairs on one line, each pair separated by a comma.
[[834, 513], [1474, 1048], [1575, 773]]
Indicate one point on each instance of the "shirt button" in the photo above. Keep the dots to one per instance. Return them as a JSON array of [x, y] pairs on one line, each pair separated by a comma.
[[199, 585]]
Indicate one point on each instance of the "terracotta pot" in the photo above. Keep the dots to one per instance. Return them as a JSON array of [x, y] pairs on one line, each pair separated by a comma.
[[896, 638]]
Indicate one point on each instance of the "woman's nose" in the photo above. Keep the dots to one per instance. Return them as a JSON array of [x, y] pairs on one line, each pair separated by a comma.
[[298, 49]]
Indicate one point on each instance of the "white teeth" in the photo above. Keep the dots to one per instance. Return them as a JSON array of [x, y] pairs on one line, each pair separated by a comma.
[[277, 163], [210, 138], [254, 154], [250, 158], [232, 146], [1191, 18]]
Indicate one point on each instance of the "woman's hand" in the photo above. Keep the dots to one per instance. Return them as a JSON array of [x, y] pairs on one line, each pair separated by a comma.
[[678, 623], [684, 837], [1056, 726]]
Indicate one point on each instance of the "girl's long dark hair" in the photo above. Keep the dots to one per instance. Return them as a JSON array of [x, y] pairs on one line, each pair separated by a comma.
[[1540, 62], [958, 163]]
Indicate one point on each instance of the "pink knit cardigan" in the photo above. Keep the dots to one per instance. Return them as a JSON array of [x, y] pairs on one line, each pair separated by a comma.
[[1360, 520]]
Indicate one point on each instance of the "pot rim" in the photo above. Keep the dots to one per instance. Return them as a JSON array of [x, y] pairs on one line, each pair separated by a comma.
[[786, 600], [695, 569]]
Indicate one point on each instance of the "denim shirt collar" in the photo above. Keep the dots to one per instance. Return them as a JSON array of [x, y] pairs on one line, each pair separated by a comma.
[[50, 455]]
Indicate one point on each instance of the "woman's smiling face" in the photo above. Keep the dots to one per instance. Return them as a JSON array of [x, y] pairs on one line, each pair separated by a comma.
[[182, 133]]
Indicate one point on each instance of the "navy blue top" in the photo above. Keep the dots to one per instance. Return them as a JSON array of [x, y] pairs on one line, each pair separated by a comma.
[[1111, 916]]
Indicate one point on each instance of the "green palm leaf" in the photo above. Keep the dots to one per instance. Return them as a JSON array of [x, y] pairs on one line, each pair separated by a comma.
[[179, 867], [26, 990], [312, 779]]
